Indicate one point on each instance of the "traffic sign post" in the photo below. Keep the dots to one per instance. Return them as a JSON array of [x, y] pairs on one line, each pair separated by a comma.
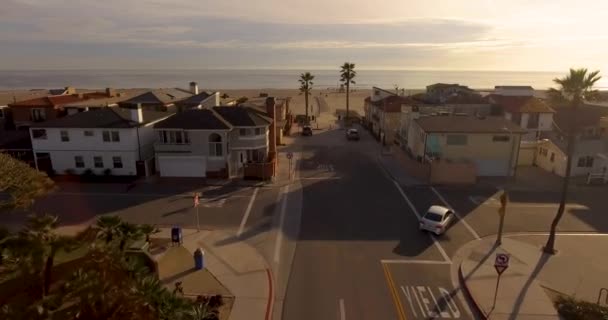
[[197, 196], [290, 156], [501, 263]]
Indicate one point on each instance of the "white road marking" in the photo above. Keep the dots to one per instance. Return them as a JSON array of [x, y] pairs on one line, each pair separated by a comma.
[[320, 178], [342, 311], [403, 261], [428, 304], [435, 242], [279, 240], [464, 222], [213, 203], [247, 212], [581, 234], [493, 202]]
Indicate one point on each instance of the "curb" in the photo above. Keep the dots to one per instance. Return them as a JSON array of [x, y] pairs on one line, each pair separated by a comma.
[[270, 303], [468, 295]]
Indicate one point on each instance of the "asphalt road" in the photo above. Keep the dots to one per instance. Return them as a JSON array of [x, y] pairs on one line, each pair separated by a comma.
[[355, 224]]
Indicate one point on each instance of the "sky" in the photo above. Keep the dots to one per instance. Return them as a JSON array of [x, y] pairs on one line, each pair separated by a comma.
[[529, 35]]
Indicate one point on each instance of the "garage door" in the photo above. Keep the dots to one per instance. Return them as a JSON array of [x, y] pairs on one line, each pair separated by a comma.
[[492, 168], [181, 166]]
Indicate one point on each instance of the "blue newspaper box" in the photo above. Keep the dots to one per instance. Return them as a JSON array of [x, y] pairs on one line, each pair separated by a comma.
[[176, 235], [199, 259]]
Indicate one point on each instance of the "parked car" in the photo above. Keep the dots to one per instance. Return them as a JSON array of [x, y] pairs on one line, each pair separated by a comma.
[[436, 219], [307, 131], [352, 134]]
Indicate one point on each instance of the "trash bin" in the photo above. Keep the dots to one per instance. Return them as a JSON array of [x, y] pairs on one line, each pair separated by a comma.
[[199, 258], [176, 235]]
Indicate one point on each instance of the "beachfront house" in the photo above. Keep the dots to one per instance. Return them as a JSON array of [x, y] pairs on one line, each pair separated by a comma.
[[383, 114], [216, 142], [163, 100], [104, 141], [591, 148], [529, 112], [489, 144], [441, 92]]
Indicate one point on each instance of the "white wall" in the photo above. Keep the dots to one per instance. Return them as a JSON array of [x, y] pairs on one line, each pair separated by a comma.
[[64, 160], [78, 141]]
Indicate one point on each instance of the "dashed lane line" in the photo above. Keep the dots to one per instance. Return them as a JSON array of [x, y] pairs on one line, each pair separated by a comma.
[[403, 261], [464, 222], [411, 205]]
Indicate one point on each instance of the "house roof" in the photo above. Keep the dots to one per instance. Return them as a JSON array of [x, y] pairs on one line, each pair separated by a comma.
[[194, 100], [465, 124], [586, 115], [390, 104], [582, 147], [102, 118], [48, 102], [519, 104], [243, 116], [12, 96], [202, 119], [100, 100], [159, 96]]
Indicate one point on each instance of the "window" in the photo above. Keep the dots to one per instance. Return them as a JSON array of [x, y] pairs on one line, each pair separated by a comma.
[[117, 162], [258, 131], [242, 132], [552, 156], [533, 119], [585, 162], [98, 162], [215, 145], [456, 140], [39, 134], [173, 137], [110, 136], [501, 138], [65, 137], [37, 114], [88, 133], [79, 161]]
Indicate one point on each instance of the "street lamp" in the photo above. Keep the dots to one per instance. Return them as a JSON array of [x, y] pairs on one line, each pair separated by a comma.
[[504, 197]]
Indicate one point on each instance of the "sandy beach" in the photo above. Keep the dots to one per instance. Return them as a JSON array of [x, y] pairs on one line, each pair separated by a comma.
[[334, 99]]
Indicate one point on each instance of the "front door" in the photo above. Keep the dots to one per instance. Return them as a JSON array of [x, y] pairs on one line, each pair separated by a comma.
[[140, 167]]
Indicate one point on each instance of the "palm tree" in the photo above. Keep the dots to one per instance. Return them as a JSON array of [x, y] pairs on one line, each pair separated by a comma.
[[574, 89], [147, 230], [127, 232], [107, 227], [347, 74], [305, 87]]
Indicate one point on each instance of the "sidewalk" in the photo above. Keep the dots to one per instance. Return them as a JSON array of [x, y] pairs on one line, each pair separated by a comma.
[[236, 265], [520, 295]]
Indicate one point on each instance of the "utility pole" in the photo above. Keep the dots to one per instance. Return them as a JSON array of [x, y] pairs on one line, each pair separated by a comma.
[[504, 199]]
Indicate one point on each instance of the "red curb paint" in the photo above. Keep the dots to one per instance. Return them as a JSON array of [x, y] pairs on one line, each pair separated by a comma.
[[270, 296]]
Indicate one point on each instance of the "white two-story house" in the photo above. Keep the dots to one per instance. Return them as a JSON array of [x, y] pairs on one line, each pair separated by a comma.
[[531, 113], [211, 142], [108, 141]]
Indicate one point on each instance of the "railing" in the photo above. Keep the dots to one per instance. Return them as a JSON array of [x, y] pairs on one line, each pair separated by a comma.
[[597, 177], [599, 296]]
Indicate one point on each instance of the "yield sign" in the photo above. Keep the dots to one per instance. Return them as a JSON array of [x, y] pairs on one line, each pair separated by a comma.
[[501, 263]]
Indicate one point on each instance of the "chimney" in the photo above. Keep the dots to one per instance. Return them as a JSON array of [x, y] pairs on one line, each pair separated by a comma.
[[271, 111], [193, 87], [137, 114], [110, 92]]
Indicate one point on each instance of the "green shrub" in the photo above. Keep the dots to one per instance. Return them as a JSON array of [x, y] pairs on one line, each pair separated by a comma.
[[572, 309]]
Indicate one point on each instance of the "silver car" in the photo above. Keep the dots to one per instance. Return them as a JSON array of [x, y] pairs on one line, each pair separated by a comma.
[[436, 219]]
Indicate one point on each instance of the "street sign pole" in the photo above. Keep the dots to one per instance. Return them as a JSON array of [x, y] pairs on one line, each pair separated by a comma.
[[196, 204], [496, 290], [504, 199], [501, 263]]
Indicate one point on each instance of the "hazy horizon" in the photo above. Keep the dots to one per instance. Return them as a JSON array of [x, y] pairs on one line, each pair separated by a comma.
[[477, 35]]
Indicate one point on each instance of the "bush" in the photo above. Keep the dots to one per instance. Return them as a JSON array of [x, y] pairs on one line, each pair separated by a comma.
[[69, 171], [242, 100], [572, 309], [107, 171], [88, 173]]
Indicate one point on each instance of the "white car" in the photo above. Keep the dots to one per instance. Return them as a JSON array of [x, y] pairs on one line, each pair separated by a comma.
[[436, 219]]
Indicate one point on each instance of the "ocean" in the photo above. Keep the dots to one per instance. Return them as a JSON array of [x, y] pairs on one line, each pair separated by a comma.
[[264, 79]]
